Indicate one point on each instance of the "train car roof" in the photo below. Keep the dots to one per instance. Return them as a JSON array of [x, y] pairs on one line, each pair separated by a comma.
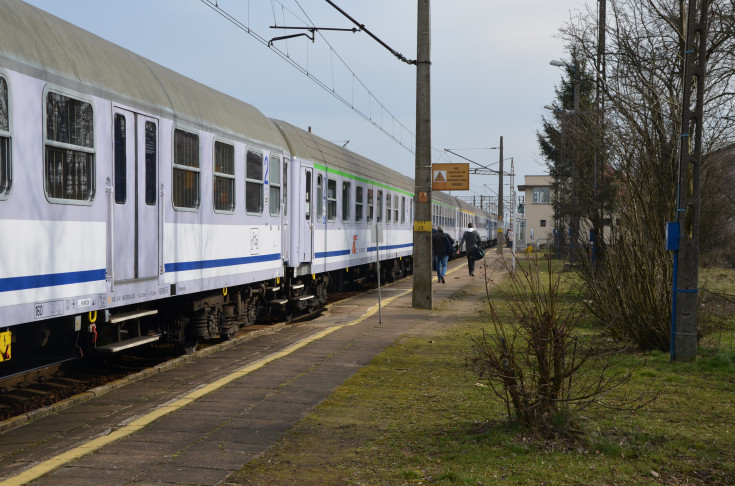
[[443, 198], [311, 147], [39, 44], [467, 207]]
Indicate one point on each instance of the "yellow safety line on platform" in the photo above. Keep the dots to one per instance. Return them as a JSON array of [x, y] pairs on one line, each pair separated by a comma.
[[139, 423]]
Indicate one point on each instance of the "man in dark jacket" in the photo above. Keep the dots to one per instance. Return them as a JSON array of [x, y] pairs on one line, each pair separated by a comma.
[[442, 245], [471, 239]]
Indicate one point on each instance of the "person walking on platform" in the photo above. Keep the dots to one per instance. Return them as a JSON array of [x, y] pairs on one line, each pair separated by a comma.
[[471, 239], [442, 246]]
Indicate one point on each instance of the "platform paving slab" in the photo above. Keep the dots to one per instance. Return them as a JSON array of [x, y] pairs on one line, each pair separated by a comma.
[[204, 442]]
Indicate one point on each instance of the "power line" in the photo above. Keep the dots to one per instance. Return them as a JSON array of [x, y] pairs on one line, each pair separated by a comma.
[[397, 131]]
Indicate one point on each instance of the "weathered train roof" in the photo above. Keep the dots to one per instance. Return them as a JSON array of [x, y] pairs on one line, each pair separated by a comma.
[[444, 198], [39, 44], [465, 206], [314, 148]]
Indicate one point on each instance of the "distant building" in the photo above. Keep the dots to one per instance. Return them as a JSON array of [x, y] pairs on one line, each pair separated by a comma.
[[537, 210]]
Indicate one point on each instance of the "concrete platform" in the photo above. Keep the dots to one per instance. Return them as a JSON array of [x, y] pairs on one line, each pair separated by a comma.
[[199, 418]]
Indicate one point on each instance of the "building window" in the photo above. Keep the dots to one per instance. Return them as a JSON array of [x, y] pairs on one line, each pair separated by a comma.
[[151, 162], [69, 165], [6, 172], [254, 183], [358, 203], [541, 195], [274, 187], [370, 205], [542, 223], [331, 200], [224, 177]]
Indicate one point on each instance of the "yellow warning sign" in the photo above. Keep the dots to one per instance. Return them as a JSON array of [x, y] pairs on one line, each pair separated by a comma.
[[422, 225], [5, 339], [450, 177]]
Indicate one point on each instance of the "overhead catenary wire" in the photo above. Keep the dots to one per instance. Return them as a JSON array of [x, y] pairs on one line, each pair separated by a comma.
[[405, 137], [364, 29]]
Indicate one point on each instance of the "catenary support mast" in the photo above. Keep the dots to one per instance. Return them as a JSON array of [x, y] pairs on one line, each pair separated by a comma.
[[422, 298]]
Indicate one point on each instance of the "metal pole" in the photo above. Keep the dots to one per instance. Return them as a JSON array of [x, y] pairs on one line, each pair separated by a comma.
[[378, 235], [574, 230], [500, 200], [513, 214], [422, 298]]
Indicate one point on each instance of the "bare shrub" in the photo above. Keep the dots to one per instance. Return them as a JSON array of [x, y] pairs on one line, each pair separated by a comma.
[[537, 358]]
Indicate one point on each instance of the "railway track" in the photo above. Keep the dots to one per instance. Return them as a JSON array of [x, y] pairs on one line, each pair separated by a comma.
[[49, 383]]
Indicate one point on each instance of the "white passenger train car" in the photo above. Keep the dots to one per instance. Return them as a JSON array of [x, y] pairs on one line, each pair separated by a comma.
[[125, 183], [345, 202], [137, 204]]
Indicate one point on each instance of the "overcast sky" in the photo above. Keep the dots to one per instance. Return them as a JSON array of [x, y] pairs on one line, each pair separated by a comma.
[[490, 72]]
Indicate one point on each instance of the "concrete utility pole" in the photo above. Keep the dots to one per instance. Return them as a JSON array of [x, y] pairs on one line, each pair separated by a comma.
[[422, 298], [686, 260], [500, 200]]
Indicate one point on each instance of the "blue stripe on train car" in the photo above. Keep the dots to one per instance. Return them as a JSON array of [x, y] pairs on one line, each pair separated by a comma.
[[222, 262], [392, 247], [327, 254], [333, 253], [11, 284]]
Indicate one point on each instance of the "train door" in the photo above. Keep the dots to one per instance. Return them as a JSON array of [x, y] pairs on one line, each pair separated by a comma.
[[306, 235], [286, 232], [135, 198]]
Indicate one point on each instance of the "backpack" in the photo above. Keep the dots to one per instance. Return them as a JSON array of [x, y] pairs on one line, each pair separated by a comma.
[[448, 244]]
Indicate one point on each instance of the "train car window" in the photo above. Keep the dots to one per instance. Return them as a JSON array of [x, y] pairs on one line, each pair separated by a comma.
[[121, 159], [186, 173], [224, 177], [320, 197], [151, 162], [346, 200], [6, 178], [307, 196], [403, 210], [274, 186], [254, 183], [388, 211], [331, 200], [69, 165], [358, 203], [370, 205], [410, 210], [395, 209], [285, 187], [380, 207]]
